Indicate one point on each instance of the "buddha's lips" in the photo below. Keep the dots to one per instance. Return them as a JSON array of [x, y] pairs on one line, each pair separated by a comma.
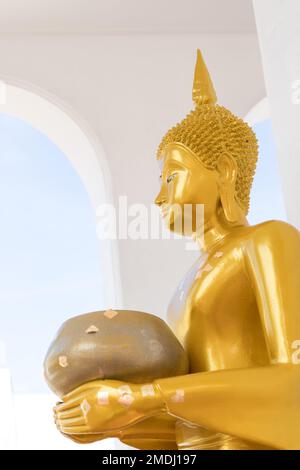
[[166, 209], [165, 212]]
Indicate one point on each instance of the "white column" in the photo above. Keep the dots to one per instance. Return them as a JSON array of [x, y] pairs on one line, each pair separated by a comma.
[[278, 25]]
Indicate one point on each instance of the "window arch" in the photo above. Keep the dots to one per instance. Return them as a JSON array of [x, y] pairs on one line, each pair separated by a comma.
[[39, 134], [72, 135]]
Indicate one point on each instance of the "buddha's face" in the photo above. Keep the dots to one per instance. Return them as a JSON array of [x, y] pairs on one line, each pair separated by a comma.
[[185, 181]]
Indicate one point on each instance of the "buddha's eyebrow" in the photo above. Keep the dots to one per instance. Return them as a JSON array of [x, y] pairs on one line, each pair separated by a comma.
[[173, 166]]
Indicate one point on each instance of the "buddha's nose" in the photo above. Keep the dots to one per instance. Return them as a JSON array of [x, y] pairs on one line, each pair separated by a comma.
[[160, 199]]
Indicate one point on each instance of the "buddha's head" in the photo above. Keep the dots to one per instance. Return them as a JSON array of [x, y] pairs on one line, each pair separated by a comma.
[[209, 158]]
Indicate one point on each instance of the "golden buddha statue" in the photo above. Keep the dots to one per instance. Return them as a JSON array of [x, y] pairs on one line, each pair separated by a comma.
[[236, 312]]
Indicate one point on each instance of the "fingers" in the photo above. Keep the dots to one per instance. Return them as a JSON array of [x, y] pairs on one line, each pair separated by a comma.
[[69, 404], [71, 421], [71, 413], [62, 423], [80, 390], [113, 384], [73, 394], [74, 429]]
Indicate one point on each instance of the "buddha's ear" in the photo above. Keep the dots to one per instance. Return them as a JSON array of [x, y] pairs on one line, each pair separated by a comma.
[[227, 174], [227, 169]]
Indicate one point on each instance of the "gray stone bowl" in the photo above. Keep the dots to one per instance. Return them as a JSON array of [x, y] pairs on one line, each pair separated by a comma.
[[122, 345]]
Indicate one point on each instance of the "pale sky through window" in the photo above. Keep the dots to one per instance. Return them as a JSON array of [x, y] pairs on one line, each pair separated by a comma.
[[266, 196], [49, 252]]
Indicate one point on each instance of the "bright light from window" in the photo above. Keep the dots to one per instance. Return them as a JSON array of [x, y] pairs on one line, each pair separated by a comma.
[[266, 196], [50, 260]]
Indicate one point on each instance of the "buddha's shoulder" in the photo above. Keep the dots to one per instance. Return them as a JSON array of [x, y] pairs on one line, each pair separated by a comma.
[[272, 231]]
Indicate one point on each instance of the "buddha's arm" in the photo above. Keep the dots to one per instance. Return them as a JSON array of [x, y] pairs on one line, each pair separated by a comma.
[[154, 433], [260, 404]]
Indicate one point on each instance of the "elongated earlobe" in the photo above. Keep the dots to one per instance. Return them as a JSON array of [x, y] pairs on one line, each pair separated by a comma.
[[227, 177], [230, 207]]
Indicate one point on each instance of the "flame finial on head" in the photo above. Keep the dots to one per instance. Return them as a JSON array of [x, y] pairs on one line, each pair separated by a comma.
[[203, 89]]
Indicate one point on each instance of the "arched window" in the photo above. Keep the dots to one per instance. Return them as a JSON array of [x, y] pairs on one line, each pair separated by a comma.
[[53, 266]]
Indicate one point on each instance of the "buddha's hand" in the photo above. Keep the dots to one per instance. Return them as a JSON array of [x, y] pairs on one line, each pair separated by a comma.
[[106, 406]]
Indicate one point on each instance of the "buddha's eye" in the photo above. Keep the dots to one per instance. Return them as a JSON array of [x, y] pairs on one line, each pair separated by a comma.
[[170, 177]]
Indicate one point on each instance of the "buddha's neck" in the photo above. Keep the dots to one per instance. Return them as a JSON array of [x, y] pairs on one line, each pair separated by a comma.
[[216, 230]]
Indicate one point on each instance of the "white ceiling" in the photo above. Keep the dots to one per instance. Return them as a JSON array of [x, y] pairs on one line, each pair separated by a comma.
[[126, 16]]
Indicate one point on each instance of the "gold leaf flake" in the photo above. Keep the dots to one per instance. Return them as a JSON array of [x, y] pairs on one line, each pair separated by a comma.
[[101, 373], [178, 397], [85, 406], [207, 268], [110, 313], [63, 361], [147, 390], [92, 329], [103, 397], [126, 399], [124, 389]]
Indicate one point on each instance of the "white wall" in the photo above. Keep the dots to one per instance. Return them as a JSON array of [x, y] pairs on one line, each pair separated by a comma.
[[35, 429], [129, 90], [279, 34]]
